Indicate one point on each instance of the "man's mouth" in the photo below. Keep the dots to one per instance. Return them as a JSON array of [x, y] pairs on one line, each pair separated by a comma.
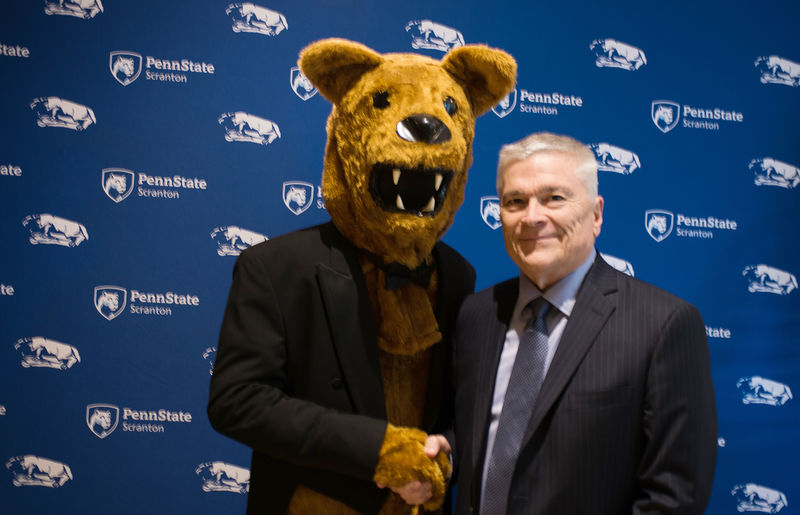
[[419, 191], [537, 238]]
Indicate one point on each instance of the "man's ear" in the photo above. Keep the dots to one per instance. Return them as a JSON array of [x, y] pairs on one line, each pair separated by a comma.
[[488, 74], [334, 65]]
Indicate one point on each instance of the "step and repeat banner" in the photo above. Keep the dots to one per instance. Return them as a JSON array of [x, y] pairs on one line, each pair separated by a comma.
[[145, 144]]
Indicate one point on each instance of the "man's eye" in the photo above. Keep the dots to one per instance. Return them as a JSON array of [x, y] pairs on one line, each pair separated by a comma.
[[380, 99], [450, 106]]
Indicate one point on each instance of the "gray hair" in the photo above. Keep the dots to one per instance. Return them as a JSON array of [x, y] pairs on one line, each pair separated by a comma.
[[546, 141]]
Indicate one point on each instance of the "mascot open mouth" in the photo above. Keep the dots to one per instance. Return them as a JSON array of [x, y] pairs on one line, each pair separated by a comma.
[[419, 191]]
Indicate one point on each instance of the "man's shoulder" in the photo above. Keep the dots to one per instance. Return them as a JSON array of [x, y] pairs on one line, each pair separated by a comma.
[[637, 288]]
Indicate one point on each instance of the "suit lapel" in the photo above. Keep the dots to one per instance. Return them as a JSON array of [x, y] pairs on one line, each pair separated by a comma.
[[593, 306], [439, 352], [343, 290]]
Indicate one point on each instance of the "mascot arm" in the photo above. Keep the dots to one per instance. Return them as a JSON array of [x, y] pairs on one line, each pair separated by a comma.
[[402, 460], [248, 400]]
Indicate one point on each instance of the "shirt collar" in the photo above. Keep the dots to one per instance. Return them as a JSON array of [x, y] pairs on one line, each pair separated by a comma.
[[562, 294]]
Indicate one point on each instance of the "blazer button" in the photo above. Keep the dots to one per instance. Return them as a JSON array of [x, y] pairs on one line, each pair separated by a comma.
[[336, 383]]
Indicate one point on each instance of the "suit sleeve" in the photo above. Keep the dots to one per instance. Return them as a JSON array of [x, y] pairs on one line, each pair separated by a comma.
[[248, 398], [676, 471]]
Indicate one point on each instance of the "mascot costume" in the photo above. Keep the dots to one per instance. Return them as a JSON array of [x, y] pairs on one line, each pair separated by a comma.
[[333, 359]]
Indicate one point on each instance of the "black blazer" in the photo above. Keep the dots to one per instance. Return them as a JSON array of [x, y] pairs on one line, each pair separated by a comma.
[[625, 421], [297, 376]]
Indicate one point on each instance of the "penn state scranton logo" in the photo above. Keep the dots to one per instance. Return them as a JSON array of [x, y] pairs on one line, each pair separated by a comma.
[[297, 196], [102, 419], [117, 183], [658, 223], [110, 301], [125, 66], [300, 84], [490, 211], [665, 114], [506, 105]]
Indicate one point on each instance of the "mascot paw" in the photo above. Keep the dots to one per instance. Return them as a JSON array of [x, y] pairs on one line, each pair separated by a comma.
[[402, 459]]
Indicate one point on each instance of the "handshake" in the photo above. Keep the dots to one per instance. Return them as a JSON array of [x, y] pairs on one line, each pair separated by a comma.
[[414, 465]]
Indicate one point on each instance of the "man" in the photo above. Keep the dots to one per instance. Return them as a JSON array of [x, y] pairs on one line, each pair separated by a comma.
[[624, 420]]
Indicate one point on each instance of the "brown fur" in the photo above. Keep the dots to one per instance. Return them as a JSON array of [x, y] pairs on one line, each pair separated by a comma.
[[361, 135]]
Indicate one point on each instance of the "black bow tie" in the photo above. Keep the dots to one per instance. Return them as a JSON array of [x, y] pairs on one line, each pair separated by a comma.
[[398, 275]]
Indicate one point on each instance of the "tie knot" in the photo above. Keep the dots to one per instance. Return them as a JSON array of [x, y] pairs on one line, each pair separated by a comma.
[[538, 309]]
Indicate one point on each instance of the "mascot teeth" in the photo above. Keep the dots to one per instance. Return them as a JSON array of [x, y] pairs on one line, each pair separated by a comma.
[[416, 191]]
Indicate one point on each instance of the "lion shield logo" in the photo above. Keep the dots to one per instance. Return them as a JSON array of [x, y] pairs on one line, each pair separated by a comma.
[[658, 223], [125, 66], [110, 301], [297, 196], [117, 183], [665, 114], [102, 419], [490, 211], [300, 84], [506, 105]]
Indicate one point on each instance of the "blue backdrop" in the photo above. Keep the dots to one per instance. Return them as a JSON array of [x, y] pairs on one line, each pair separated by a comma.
[[144, 144]]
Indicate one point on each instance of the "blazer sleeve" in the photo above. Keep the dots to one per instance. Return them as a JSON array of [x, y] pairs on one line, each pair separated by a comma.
[[680, 423], [248, 398]]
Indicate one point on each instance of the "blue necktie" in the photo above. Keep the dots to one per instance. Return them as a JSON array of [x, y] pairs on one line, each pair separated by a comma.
[[524, 384]]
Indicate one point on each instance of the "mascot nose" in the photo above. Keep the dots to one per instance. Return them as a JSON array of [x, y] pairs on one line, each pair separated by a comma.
[[423, 128]]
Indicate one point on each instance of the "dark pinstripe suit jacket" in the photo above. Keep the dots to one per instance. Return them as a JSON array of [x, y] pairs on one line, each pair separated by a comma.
[[625, 421]]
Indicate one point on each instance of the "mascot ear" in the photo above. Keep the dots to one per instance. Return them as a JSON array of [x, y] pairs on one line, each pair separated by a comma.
[[334, 65], [487, 74]]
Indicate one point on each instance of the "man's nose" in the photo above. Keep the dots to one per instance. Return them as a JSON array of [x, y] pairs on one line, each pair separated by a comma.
[[534, 212]]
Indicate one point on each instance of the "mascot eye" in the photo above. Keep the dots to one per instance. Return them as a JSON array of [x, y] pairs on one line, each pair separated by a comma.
[[450, 106], [381, 99]]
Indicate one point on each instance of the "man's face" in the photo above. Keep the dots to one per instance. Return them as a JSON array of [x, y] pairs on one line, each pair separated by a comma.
[[549, 220]]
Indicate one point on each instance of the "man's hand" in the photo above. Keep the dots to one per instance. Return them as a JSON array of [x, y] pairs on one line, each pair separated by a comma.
[[413, 493], [436, 444]]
